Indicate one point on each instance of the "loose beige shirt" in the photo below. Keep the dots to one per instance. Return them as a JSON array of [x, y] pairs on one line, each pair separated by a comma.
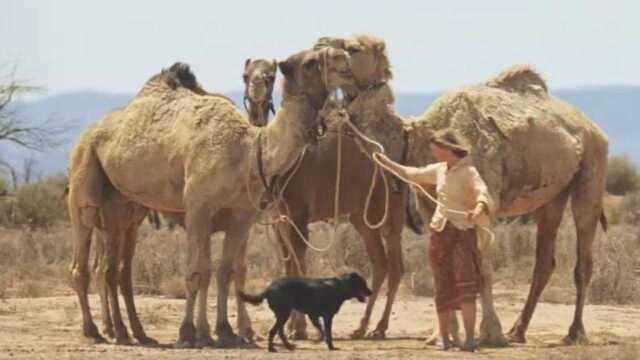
[[458, 188]]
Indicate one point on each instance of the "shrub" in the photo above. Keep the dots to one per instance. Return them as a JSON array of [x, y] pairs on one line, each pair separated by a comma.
[[628, 211], [36, 205], [614, 274], [622, 175]]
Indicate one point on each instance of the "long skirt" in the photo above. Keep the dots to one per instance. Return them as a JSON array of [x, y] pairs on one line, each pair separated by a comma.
[[455, 262]]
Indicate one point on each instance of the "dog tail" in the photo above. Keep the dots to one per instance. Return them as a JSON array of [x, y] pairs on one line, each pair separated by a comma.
[[252, 299]]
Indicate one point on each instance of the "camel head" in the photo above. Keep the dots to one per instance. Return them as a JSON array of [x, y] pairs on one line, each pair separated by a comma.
[[259, 77], [313, 74], [369, 61]]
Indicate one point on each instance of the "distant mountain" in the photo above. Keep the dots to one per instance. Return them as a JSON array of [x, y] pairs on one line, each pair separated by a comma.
[[616, 109]]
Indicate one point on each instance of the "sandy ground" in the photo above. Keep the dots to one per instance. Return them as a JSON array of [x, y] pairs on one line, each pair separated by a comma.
[[49, 328]]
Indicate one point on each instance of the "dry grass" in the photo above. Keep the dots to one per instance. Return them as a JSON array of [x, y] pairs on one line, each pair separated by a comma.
[[35, 252]]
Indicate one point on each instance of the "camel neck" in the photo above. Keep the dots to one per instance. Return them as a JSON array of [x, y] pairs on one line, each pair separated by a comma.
[[286, 135], [259, 112]]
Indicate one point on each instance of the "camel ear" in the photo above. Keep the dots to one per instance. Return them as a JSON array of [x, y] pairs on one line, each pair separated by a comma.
[[286, 68], [246, 63]]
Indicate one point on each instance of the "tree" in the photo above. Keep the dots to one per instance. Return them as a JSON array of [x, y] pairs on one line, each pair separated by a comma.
[[13, 127], [17, 130]]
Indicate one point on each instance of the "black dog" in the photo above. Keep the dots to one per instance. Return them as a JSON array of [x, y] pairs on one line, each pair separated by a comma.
[[314, 297]]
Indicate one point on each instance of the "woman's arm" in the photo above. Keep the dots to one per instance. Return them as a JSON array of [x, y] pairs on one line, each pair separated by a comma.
[[420, 175], [484, 203]]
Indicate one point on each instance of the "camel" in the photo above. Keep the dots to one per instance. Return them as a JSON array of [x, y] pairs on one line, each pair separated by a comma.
[[121, 218], [309, 197], [259, 77], [194, 152], [535, 152]]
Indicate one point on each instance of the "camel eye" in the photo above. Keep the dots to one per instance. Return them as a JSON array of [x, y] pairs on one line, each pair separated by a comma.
[[269, 78], [245, 77]]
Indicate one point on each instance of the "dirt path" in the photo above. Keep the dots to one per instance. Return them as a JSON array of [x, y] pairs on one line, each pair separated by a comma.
[[48, 328]]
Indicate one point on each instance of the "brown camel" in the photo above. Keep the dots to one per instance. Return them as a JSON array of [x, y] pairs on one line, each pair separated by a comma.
[[310, 195], [535, 152], [120, 219], [174, 151], [259, 77]]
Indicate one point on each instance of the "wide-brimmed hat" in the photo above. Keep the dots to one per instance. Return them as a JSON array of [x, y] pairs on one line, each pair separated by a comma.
[[451, 140]]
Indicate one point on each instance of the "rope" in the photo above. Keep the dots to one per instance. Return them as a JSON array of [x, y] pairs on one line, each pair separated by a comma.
[[374, 176], [415, 185], [429, 196]]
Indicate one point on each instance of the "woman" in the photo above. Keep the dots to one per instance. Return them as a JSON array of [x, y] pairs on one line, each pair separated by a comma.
[[453, 250]]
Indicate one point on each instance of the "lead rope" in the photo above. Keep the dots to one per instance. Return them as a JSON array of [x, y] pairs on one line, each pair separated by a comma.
[[374, 175], [483, 223]]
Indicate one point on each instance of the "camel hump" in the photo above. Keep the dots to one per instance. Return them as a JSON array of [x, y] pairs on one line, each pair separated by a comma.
[[519, 78], [180, 75]]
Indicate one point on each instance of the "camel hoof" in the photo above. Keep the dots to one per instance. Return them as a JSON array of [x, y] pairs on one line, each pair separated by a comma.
[[578, 339], [205, 342], [516, 338], [273, 350], [469, 347], [147, 341], [235, 342], [184, 344], [108, 332], [290, 347], [123, 340], [299, 335], [93, 340], [247, 333], [495, 340], [187, 338], [377, 334], [358, 334]]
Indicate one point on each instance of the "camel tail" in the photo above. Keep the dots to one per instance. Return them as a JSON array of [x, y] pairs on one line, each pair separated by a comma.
[[604, 222], [252, 299]]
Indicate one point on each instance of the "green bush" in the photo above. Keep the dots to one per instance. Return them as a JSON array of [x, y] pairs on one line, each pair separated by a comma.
[[35, 205], [622, 175]]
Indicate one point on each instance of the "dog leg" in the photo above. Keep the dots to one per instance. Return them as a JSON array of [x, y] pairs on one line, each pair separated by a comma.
[[328, 320], [316, 322]]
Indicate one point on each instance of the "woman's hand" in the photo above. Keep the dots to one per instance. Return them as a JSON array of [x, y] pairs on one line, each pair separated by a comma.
[[479, 209]]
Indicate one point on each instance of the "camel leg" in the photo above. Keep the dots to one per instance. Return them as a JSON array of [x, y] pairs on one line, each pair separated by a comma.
[[586, 203], [126, 286], [377, 256], [112, 247], [99, 273], [240, 276], [396, 270], [287, 235], [548, 218], [203, 330], [236, 236], [198, 275], [81, 233], [490, 326]]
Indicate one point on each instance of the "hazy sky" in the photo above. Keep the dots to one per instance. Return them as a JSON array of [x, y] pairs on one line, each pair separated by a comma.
[[115, 46]]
